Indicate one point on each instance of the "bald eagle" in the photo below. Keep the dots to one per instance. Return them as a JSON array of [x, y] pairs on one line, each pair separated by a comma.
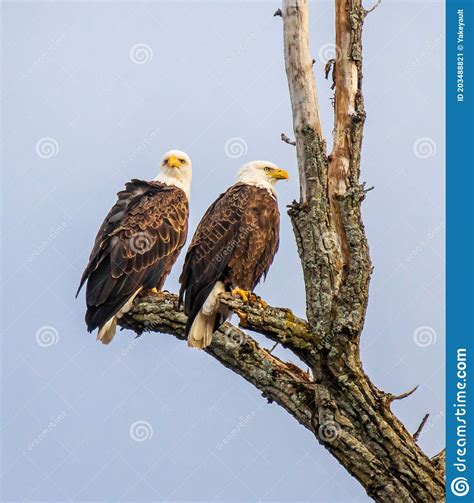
[[137, 244], [232, 248]]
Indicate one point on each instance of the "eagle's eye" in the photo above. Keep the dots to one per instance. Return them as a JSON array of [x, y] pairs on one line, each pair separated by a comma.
[[182, 161], [266, 168]]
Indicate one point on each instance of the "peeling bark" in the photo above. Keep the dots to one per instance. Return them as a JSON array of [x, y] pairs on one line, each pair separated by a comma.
[[344, 410]]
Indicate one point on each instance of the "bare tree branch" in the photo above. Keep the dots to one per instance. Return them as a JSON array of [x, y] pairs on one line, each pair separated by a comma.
[[287, 140], [390, 398], [330, 65], [376, 4], [279, 381], [302, 85], [420, 428]]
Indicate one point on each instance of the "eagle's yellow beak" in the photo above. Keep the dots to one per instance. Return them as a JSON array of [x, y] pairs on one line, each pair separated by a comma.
[[280, 174], [173, 162]]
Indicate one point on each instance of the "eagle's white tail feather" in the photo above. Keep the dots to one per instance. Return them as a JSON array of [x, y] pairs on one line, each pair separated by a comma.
[[107, 331], [200, 335], [212, 303]]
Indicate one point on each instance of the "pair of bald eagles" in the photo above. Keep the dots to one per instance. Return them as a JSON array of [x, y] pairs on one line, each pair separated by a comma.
[[142, 236]]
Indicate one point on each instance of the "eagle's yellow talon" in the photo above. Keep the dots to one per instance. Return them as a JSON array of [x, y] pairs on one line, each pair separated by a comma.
[[262, 303], [243, 294], [148, 291], [258, 300]]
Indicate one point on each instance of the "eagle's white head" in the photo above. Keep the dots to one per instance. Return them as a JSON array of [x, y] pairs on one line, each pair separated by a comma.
[[176, 169], [263, 174]]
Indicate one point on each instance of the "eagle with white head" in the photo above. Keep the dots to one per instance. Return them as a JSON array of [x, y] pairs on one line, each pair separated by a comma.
[[138, 243], [232, 248]]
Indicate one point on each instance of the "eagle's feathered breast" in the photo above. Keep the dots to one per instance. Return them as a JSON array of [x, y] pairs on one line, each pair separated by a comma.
[[257, 242], [235, 243], [136, 247]]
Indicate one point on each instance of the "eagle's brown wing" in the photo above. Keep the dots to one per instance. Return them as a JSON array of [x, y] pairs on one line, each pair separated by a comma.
[[136, 246], [235, 243], [258, 241]]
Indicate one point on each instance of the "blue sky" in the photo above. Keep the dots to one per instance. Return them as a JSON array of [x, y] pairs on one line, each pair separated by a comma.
[[93, 94]]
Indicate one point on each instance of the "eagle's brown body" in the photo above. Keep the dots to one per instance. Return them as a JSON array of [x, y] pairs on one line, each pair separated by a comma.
[[234, 245], [135, 248]]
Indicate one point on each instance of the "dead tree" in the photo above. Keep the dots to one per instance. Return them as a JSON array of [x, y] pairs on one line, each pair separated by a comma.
[[337, 402]]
